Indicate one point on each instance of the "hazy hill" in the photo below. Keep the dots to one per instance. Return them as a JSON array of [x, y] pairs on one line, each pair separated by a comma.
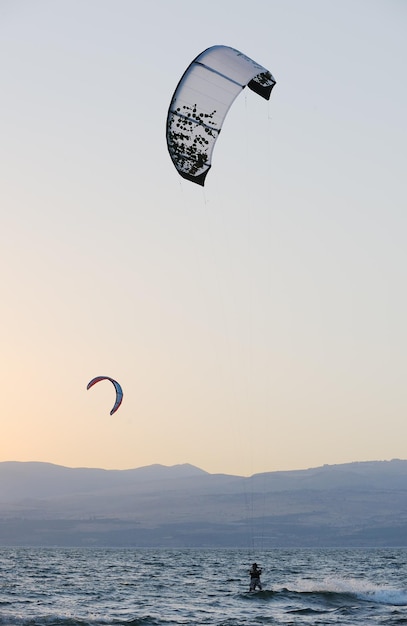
[[45, 480], [334, 505]]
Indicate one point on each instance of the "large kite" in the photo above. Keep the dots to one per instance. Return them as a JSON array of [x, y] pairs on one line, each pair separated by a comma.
[[201, 101], [119, 391]]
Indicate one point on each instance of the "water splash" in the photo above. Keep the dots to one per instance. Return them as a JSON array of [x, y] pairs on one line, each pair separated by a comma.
[[361, 589]]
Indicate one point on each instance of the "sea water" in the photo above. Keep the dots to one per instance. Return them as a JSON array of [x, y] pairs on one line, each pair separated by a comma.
[[162, 587]]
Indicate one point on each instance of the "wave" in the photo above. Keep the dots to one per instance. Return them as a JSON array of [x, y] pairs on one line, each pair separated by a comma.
[[53, 620]]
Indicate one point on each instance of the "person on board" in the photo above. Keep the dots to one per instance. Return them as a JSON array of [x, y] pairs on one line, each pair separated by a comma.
[[255, 573]]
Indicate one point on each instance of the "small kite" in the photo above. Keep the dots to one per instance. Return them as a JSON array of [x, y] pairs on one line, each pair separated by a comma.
[[201, 101], [119, 391]]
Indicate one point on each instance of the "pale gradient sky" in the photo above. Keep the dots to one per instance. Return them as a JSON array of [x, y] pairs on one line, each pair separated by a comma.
[[256, 325]]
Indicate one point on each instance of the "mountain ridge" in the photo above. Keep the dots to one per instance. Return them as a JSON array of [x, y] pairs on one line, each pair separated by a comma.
[[359, 503]]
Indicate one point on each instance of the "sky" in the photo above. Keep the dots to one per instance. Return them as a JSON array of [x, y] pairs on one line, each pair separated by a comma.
[[255, 324]]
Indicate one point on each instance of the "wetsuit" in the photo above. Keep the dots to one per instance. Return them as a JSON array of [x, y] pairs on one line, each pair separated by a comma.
[[255, 578]]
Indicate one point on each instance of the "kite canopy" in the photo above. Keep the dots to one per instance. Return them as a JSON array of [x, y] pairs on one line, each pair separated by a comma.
[[119, 391], [201, 101]]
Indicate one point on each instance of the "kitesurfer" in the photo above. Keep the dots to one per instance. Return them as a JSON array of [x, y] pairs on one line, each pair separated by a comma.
[[255, 573]]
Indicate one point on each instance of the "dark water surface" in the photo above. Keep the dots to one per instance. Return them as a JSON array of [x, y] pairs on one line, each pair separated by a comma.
[[91, 587]]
